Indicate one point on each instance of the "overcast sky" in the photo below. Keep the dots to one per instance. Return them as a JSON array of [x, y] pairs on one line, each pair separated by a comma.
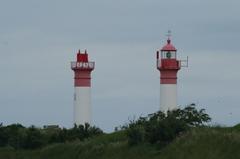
[[38, 39]]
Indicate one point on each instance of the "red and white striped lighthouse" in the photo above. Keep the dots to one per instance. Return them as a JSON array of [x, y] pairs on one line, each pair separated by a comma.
[[168, 65], [82, 88]]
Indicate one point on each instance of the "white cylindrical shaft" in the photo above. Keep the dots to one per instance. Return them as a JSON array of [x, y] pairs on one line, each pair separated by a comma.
[[168, 97], [82, 105]]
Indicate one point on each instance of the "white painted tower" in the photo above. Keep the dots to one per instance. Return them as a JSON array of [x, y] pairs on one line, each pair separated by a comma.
[[168, 65], [82, 88]]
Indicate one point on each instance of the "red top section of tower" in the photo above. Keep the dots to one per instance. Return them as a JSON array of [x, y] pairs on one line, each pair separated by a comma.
[[168, 46], [168, 64], [82, 57], [82, 70]]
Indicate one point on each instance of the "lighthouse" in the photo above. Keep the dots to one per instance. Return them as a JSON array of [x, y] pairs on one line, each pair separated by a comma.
[[82, 88], [168, 65]]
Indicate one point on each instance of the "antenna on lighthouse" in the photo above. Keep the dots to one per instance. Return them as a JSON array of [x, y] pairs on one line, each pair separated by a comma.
[[169, 34]]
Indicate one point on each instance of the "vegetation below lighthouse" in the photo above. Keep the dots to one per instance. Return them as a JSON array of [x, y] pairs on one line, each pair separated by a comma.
[[180, 134]]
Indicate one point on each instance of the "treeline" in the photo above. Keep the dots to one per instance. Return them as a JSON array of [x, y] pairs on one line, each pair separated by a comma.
[[157, 128], [162, 128], [20, 137]]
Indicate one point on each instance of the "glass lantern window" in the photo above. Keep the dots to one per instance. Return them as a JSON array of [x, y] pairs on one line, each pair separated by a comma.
[[168, 54]]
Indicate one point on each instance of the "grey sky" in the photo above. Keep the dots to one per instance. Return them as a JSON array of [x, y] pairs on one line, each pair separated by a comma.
[[38, 39]]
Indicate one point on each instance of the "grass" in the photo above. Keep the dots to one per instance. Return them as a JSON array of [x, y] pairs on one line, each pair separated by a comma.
[[210, 143], [199, 143]]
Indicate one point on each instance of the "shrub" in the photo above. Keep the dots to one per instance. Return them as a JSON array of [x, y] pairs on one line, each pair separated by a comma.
[[19, 137], [236, 127], [3, 136], [164, 131], [15, 135], [162, 128], [135, 134], [34, 138]]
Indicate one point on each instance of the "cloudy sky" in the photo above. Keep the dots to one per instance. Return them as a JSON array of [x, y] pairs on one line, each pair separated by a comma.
[[38, 39]]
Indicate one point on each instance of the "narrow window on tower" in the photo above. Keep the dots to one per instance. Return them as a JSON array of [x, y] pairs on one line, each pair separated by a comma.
[[74, 96]]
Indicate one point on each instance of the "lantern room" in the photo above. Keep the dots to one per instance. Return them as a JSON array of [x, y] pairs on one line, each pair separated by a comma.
[[168, 58], [168, 51]]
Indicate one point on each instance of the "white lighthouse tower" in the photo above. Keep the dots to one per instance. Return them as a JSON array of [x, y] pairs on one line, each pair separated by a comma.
[[168, 65], [82, 88]]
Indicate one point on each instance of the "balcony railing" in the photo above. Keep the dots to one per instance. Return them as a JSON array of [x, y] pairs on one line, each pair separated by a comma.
[[82, 65], [184, 63]]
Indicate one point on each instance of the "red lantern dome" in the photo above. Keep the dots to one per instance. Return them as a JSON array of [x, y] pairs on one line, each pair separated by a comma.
[[168, 46]]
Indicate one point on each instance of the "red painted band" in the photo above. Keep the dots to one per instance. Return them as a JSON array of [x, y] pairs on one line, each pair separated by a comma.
[[82, 82], [168, 81], [82, 78], [168, 76]]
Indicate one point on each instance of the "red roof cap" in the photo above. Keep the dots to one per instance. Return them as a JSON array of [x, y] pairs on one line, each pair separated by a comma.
[[168, 46], [82, 57]]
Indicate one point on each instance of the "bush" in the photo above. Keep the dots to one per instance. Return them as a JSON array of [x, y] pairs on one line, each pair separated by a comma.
[[236, 127], [162, 128], [34, 138], [164, 131], [135, 134], [19, 137], [3, 136], [192, 116], [15, 135], [82, 131]]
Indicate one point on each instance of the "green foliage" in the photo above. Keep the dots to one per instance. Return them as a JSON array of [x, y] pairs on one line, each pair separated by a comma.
[[192, 116], [205, 142], [135, 134], [163, 128], [82, 131], [19, 137], [3, 136], [15, 135], [237, 127], [34, 138], [180, 134], [197, 143]]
